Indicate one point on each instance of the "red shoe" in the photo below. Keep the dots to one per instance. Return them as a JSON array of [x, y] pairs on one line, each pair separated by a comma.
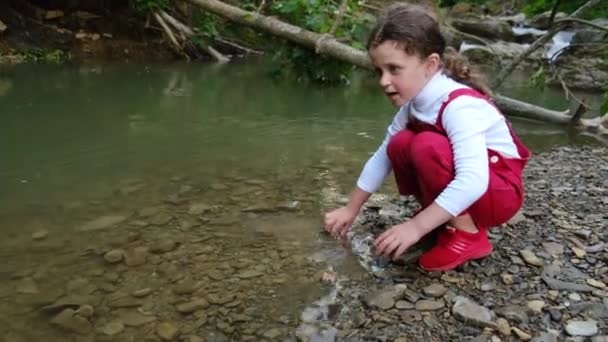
[[454, 248]]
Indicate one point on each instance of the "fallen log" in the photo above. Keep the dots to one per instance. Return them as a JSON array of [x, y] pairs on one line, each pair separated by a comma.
[[326, 44]]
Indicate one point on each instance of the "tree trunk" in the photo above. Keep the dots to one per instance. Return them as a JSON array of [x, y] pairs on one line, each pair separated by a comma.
[[327, 45]]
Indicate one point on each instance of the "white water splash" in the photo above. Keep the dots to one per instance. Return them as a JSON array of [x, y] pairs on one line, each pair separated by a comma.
[[559, 43]]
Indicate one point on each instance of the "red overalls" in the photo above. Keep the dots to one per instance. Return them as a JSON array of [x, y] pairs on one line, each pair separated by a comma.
[[423, 163]]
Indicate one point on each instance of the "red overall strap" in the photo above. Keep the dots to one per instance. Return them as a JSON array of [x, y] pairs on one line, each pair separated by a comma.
[[524, 153]]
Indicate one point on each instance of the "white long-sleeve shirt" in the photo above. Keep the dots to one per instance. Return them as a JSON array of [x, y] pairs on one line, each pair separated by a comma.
[[472, 126]]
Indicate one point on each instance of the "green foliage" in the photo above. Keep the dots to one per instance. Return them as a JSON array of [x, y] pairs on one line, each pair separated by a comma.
[[208, 27], [538, 79], [45, 56], [319, 16], [147, 6], [604, 107], [306, 66], [534, 7]]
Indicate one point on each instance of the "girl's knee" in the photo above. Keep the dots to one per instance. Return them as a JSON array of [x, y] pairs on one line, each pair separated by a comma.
[[399, 144], [430, 146]]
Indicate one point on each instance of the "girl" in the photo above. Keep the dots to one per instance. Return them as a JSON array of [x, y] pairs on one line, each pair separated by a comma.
[[448, 145]]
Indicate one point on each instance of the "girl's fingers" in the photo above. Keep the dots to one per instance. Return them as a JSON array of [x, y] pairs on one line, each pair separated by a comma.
[[400, 251], [390, 248], [381, 238], [380, 248]]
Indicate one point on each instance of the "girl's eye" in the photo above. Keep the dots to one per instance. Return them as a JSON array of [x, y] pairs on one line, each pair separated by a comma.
[[393, 69]]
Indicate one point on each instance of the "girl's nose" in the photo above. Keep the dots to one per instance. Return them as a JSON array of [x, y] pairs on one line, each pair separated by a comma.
[[385, 80]]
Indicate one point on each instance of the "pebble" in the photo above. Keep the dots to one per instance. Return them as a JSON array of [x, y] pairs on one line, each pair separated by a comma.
[[85, 311], [471, 313], [113, 328], [384, 299], [581, 328], [404, 305], [580, 253], [192, 306], [114, 256], [488, 286], [556, 315], [536, 306], [166, 331], [272, 333], [134, 319], [186, 287], [513, 313], [163, 246], [596, 283], [603, 338], [503, 326], [136, 256], [530, 258], [69, 320], [435, 290], [141, 293], [524, 336], [575, 297], [554, 248], [429, 305], [507, 278], [40, 235], [199, 208], [103, 222]]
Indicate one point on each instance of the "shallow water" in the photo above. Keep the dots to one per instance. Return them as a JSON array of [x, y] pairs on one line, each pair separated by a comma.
[[206, 183]]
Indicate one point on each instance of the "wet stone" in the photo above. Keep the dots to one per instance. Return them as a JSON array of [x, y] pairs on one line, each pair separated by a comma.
[[136, 256], [429, 305], [134, 319], [214, 298], [581, 328], [503, 326], [40, 235], [471, 313], [384, 299], [114, 256], [70, 321], [113, 328], [513, 313], [141, 293], [167, 331], [435, 290], [192, 306], [163, 246], [530, 258], [250, 274], [404, 305], [186, 287]]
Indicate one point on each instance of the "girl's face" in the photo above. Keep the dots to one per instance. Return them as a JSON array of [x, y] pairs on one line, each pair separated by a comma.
[[402, 76]]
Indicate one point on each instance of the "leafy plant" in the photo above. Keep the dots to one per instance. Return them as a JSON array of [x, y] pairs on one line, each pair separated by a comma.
[[320, 16], [604, 107], [535, 7]]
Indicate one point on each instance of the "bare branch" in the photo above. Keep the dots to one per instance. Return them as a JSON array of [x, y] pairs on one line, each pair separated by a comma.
[[580, 111], [553, 12], [184, 29], [583, 22], [168, 31]]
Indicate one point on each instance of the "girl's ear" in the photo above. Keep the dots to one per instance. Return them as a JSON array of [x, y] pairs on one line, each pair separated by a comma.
[[432, 63]]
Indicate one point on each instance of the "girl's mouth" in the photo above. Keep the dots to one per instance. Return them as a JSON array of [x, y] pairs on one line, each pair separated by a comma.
[[391, 94]]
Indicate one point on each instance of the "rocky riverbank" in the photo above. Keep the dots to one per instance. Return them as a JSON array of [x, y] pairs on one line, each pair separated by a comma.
[[545, 281]]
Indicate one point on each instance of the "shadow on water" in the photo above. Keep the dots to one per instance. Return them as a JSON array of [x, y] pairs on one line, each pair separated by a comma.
[[138, 200]]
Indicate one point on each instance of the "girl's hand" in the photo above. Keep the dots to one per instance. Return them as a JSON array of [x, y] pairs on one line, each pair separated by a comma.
[[338, 222], [397, 239]]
